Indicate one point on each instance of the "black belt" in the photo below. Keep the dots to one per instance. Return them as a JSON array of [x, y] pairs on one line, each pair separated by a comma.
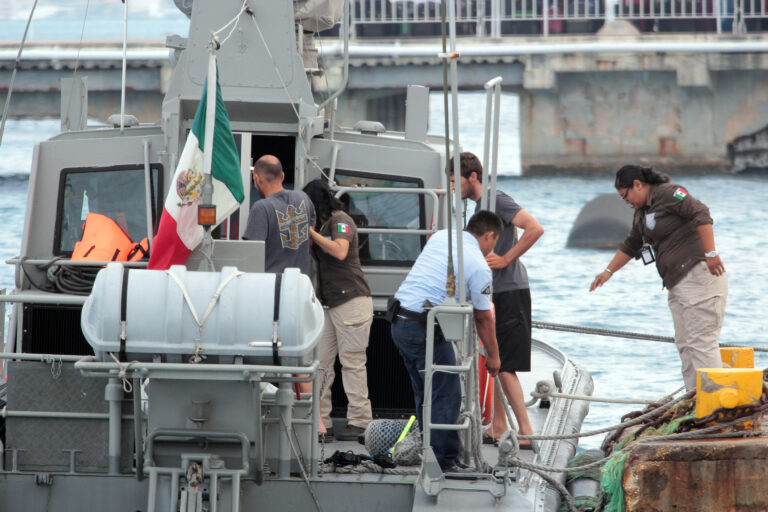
[[412, 315]]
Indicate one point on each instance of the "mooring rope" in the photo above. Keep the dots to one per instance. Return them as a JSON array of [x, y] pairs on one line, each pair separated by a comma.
[[635, 421], [622, 334]]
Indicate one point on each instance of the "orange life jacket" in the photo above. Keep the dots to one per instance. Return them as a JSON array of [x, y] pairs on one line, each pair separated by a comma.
[[140, 251], [104, 240]]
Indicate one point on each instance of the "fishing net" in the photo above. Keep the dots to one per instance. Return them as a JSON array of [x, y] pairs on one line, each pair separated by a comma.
[[583, 502], [381, 435], [613, 469]]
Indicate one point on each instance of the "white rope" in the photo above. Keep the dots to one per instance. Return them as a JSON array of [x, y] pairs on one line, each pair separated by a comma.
[[545, 391], [234, 20], [214, 297], [367, 466], [476, 436], [661, 408], [122, 372], [545, 396], [287, 93]]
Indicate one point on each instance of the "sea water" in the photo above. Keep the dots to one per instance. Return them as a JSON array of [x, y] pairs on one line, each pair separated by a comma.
[[633, 300]]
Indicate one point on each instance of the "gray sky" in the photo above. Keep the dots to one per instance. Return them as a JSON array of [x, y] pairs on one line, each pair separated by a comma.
[[63, 19]]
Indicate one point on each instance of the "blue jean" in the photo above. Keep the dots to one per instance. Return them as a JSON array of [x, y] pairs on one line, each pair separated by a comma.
[[410, 339]]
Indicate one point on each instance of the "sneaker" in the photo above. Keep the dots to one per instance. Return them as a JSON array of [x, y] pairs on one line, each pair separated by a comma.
[[459, 469], [350, 433], [326, 437]]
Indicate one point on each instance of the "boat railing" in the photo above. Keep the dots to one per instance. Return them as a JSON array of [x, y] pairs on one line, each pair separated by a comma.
[[52, 297], [18, 260], [284, 377], [496, 18], [491, 143]]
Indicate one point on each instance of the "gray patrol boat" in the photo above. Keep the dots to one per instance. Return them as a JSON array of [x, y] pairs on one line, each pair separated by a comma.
[[130, 389]]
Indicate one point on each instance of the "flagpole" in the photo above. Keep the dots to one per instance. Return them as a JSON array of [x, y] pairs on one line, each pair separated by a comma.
[[125, 58], [210, 122]]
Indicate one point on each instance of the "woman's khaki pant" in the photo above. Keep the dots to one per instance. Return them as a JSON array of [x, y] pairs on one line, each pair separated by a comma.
[[697, 303], [346, 333]]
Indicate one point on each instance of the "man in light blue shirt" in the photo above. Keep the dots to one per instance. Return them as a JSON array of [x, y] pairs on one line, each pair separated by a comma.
[[426, 282]]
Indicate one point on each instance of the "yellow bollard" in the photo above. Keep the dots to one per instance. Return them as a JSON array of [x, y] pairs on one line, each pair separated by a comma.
[[726, 387], [738, 357]]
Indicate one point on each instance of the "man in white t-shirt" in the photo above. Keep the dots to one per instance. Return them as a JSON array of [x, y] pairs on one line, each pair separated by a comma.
[[426, 283]]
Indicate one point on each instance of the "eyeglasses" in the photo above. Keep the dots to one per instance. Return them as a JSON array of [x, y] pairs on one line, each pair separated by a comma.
[[625, 194]]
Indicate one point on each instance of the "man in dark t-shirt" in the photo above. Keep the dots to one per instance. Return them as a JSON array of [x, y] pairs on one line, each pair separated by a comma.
[[511, 295], [282, 219]]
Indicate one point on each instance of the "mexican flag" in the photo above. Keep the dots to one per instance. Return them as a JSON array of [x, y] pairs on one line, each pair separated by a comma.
[[179, 234]]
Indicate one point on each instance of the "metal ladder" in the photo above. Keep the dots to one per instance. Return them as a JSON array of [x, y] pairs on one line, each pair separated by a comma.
[[453, 319]]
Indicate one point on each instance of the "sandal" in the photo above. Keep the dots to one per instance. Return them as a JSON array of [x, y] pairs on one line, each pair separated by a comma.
[[489, 439]]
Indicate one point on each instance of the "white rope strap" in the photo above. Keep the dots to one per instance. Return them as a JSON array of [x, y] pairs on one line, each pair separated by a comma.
[[122, 373], [214, 298]]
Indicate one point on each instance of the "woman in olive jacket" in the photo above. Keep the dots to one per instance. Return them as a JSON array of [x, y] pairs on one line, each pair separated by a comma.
[[673, 227]]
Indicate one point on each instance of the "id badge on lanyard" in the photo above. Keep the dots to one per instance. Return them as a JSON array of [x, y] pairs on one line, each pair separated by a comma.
[[647, 254], [647, 251]]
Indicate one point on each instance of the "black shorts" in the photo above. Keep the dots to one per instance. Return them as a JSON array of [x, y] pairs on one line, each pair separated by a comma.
[[513, 329]]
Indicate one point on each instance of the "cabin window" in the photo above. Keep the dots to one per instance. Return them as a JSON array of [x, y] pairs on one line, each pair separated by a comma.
[[385, 210], [117, 192]]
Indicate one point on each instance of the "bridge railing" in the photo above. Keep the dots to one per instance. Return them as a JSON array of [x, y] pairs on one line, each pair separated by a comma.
[[506, 17]]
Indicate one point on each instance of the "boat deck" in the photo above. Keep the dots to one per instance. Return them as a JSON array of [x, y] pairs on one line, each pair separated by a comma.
[[522, 493]]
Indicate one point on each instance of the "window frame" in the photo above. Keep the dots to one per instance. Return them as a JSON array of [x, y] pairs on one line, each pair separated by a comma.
[[419, 182], [156, 209]]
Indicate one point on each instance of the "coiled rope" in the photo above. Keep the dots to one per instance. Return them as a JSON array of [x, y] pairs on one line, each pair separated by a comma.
[[367, 466]]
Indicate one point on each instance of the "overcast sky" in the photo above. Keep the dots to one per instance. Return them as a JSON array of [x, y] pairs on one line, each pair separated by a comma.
[[63, 19], [19, 9]]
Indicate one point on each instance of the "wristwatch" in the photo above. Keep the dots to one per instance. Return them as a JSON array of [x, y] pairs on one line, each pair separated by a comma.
[[710, 254]]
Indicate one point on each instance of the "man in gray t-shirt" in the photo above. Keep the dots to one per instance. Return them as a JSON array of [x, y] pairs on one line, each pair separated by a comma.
[[511, 296], [282, 219], [514, 276]]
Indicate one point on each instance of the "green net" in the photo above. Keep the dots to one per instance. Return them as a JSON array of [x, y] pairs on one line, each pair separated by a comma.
[[584, 503], [613, 469]]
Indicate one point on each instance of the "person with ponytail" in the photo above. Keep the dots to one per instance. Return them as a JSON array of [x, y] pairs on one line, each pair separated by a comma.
[[346, 298], [674, 229]]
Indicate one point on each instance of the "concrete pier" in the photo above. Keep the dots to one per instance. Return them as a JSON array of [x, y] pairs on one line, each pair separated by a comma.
[[697, 476], [673, 110], [37, 89], [588, 103]]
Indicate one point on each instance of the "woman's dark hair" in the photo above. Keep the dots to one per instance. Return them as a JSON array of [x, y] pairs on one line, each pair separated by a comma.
[[627, 175], [322, 198]]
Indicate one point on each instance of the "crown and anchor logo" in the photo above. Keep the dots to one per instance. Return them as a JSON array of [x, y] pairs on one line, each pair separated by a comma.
[[293, 225]]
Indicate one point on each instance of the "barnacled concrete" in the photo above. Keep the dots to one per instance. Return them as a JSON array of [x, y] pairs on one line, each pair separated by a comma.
[[697, 476]]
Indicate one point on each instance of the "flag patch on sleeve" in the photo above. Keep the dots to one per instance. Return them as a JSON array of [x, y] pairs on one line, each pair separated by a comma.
[[342, 228], [680, 193]]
